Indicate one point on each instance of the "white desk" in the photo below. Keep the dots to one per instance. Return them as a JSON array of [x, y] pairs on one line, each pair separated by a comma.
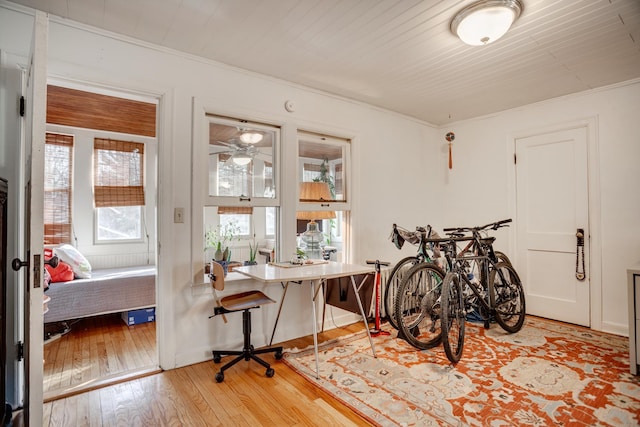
[[315, 275]]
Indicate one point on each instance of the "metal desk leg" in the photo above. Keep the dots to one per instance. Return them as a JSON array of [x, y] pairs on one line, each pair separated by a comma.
[[364, 317], [315, 326], [284, 294]]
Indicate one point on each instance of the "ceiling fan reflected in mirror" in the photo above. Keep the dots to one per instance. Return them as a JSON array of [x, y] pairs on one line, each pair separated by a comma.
[[241, 150]]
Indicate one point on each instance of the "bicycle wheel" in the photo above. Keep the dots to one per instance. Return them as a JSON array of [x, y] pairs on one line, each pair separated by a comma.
[[417, 305], [392, 285], [507, 297], [453, 317], [502, 257]]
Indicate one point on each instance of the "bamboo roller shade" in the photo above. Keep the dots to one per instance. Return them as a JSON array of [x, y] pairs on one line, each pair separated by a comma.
[[71, 107]]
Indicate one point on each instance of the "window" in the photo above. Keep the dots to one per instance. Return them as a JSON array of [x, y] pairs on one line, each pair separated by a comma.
[[241, 159], [239, 191], [58, 168], [323, 202], [118, 190], [239, 216]]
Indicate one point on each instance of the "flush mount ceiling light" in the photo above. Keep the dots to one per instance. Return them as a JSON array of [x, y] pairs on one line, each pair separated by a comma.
[[241, 159], [485, 21], [251, 137]]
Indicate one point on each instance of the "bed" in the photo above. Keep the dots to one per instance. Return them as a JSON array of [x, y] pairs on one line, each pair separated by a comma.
[[107, 291]]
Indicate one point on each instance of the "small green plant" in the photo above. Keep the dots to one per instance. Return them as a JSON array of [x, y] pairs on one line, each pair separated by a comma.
[[253, 249], [220, 236]]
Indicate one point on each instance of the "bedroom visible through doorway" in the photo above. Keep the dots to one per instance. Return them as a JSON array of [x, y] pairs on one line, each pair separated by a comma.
[[100, 220]]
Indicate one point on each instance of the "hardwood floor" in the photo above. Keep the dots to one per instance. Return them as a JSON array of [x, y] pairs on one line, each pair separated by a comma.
[[97, 350], [190, 396]]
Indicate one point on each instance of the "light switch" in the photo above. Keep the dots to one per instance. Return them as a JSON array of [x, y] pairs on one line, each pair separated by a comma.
[[178, 215]]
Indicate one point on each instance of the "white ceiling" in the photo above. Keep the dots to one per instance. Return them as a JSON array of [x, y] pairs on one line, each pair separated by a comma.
[[395, 54]]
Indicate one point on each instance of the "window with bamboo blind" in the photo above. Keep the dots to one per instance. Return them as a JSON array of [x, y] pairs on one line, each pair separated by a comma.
[[322, 196], [58, 185], [118, 189]]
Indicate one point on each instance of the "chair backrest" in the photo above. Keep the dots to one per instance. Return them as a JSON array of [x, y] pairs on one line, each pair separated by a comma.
[[217, 281]]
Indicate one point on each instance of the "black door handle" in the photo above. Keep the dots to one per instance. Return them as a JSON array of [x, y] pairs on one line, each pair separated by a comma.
[[53, 261], [16, 264]]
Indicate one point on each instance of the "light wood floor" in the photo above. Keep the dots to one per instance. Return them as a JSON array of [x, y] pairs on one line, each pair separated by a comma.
[[97, 350], [190, 396]]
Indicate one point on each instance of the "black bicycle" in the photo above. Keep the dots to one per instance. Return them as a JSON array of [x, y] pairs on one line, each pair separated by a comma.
[[426, 252], [497, 294]]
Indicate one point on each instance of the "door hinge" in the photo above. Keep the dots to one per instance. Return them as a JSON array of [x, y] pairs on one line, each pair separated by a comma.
[[22, 106], [20, 351], [515, 159]]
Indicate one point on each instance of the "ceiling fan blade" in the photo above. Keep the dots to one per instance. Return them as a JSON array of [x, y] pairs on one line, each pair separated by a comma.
[[233, 144]]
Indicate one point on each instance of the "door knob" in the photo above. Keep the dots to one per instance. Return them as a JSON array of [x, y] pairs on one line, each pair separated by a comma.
[[53, 261], [16, 264]]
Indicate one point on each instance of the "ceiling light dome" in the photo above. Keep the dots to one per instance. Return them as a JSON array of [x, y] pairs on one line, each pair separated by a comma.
[[485, 21], [241, 159], [251, 137]]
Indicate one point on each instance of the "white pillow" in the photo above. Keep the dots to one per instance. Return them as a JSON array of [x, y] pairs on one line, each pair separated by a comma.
[[79, 264]]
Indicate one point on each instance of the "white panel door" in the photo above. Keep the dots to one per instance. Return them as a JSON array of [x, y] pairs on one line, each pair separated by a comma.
[[552, 204], [33, 179]]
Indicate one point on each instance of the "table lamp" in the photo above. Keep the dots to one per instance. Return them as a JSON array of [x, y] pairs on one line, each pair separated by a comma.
[[314, 192]]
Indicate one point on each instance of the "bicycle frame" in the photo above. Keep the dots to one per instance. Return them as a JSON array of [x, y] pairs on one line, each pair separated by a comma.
[[481, 250], [458, 261]]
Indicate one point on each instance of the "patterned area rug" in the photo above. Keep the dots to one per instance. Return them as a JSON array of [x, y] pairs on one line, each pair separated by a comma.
[[549, 373]]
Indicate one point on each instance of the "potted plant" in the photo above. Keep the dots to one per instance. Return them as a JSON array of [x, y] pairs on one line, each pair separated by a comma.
[[219, 238], [326, 177], [253, 251]]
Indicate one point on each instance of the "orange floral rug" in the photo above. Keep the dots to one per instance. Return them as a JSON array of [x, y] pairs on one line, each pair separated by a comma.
[[549, 373]]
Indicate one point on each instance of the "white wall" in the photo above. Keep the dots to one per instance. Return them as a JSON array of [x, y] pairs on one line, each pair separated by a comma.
[[483, 172], [399, 171], [379, 168]]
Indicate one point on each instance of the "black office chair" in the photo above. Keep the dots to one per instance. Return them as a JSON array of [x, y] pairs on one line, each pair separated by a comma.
[[242, 301]]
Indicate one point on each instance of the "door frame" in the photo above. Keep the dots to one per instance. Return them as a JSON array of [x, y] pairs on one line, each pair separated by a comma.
[[593, 173], [165, 337], [161, 165]]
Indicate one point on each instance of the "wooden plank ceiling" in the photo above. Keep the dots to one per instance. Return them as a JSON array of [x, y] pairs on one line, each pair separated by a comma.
[[396, 54]]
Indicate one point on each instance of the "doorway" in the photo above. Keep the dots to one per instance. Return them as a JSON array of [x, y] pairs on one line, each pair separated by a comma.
[[554, 233], [90, 349]]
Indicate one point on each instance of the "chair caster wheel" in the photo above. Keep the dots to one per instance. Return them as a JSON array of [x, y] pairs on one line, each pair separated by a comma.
[[220, 377], [216, 358], [270, 372], [278, 355]]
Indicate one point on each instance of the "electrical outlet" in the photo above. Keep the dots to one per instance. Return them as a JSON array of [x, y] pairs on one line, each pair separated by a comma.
[[178, 215]]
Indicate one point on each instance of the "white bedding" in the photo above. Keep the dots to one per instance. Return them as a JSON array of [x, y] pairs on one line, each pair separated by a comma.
[[107, 291]]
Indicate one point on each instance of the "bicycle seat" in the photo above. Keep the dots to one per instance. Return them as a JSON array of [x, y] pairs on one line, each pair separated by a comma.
[[487, 240]]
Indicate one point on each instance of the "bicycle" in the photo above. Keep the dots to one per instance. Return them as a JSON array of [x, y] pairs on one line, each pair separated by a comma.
[[418, 307], [498, 293], [419, 238]]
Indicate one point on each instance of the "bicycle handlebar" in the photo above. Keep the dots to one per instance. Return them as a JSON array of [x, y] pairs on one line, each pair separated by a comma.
[[492, 225]]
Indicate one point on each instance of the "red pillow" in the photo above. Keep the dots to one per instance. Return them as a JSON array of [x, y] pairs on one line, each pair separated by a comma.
[[62, 273]]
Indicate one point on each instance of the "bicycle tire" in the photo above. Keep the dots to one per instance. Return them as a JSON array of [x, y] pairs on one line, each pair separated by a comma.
[[417, 305], [392, 285], [507, 299], [453, 317], [502, 257]]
